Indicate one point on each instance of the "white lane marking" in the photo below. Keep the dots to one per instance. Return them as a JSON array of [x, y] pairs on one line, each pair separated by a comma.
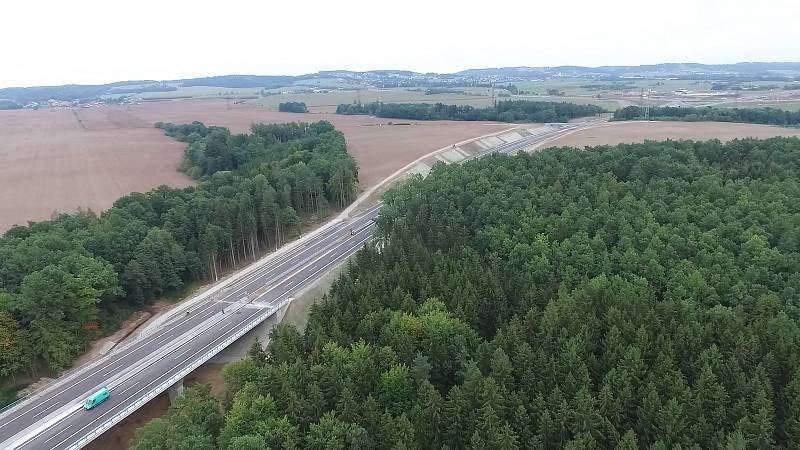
[[156, 381], [109, 372], [289, 276], [30, 435], [113, 360], [347, 252], [127, 388], [313, 250], [39, 414], [311, 247], [160, 341], [297, 251], [343, 256], [181, 353]]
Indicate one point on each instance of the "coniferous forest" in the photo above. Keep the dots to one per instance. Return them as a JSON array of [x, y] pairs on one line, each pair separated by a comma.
[[766, 115], [296, 107], [504, 111], [74, 278], [635, 296]]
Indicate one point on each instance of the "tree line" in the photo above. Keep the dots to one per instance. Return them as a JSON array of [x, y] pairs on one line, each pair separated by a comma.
[[68, 280], [9, 104], [295, 107], [639, 296], [505, 111], [767, 115]]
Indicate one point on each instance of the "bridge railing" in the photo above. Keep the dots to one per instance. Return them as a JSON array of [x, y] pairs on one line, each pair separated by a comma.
[[65, 377], [163, 386], [157, 323]]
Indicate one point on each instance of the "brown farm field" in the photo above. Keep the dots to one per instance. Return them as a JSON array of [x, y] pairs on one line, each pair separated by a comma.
[[634, 132], [379, 148], [50, 162], [63, 159]]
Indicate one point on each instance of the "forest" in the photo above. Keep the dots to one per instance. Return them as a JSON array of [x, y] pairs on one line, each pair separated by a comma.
[[9, 104], [295, 107], [505, 111], [768, 116], [152, 87], [66, 281], [639, 296]]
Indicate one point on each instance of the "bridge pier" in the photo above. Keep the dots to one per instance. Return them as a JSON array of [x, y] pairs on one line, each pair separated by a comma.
[[175, 391]]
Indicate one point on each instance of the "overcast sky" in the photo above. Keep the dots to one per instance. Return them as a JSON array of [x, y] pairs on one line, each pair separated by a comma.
[[87, 41]]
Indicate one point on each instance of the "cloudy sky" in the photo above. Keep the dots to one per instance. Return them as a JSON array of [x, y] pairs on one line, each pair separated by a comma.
[[88, 41]]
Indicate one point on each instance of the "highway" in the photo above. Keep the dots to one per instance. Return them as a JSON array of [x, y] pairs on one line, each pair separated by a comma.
[[556, 130], [55, 419], [131, 371]]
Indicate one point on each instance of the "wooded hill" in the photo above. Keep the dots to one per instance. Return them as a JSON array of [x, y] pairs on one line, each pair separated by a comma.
[[635, 296]]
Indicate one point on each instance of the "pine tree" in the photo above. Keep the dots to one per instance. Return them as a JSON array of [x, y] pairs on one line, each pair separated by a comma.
[[628, 441]]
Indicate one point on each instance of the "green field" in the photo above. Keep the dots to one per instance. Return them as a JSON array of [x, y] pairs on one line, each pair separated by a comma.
[[788, 106], [202, 92], [574, 86], [609, 104], [477, 97], [673, 85], [328, 101], [195, 92], [330, 83]]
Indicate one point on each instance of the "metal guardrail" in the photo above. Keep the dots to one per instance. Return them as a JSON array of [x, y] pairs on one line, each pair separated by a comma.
[[157, 324], [163, 386], [223, 285], [209, 294], [74, 372], [65, 377], [12, 406], [124, 376]]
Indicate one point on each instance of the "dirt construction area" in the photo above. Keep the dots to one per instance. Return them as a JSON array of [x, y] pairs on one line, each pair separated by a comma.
[[63, 159], [634, 132]]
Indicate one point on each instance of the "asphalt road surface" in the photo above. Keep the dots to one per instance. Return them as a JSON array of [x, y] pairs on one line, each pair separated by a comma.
[[133, 371]]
